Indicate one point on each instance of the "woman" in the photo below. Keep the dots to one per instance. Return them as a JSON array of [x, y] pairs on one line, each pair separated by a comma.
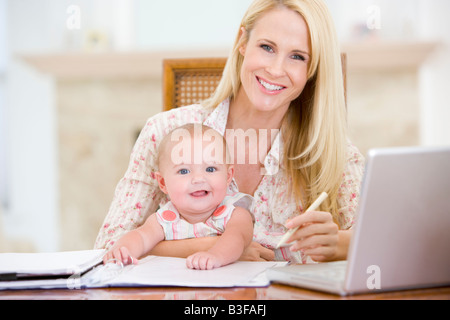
[[283, 75]]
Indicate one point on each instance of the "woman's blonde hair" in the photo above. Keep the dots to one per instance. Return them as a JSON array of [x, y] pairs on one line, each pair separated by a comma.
[[315, 127]]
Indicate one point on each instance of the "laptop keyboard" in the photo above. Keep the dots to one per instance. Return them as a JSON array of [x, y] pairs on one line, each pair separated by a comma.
[[334, 271]]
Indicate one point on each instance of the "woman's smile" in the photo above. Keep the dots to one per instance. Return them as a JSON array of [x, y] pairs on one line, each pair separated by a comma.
[[268, 87]]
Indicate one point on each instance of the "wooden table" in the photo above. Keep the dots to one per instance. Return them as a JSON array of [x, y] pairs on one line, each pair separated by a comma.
[[273, 292]]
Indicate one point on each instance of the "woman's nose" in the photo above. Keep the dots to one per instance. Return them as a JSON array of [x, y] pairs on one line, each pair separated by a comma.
[[276, 67]]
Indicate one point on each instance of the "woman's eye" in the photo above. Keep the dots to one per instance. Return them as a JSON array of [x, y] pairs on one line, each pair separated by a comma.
[[183, 171], [266, 48], [298, 57], [211, 169]]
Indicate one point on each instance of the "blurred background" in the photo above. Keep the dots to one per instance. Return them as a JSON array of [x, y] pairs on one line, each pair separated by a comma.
[[79, 78]]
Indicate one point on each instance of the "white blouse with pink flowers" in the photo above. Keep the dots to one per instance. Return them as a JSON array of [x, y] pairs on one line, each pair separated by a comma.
[[138, 195]]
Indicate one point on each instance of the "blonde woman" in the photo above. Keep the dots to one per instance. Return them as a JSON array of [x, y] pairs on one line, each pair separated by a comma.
[[282, 89]]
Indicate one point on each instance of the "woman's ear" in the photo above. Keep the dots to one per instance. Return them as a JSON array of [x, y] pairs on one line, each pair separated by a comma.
[[161, 182], [243, 36]]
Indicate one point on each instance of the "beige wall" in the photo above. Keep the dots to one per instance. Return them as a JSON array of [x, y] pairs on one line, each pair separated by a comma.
[[99, 121], [383, 109]]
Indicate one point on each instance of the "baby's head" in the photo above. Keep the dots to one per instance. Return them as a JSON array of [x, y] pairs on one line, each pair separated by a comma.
[[205, 143], [194, 167]]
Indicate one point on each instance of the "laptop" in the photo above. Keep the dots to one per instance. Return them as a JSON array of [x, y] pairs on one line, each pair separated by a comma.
[[401, 239]]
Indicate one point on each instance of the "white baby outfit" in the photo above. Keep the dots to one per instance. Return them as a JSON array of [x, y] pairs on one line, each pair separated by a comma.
[[176, 228]]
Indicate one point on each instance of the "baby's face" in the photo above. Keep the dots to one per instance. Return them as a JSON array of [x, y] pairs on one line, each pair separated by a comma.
[[194, 173]]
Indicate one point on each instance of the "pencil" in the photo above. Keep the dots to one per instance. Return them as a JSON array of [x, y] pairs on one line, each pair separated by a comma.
[[313, 207]]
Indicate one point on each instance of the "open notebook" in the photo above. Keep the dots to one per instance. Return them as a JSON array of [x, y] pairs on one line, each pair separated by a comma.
[[84, 269]]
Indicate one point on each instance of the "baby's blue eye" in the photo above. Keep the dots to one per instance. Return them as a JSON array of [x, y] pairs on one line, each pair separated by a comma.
[[211, 169], [183, 171]]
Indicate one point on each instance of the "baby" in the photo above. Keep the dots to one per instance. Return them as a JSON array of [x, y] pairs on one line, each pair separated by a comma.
[[195, 173]]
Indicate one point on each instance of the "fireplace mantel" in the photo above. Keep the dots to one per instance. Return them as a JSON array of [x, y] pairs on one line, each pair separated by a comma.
[[380, 56], [136, 64]]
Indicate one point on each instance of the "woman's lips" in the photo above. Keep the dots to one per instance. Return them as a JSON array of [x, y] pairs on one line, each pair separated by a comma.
[[269, 87]]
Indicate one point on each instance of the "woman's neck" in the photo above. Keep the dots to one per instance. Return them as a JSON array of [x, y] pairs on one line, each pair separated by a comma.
[[242, 115]]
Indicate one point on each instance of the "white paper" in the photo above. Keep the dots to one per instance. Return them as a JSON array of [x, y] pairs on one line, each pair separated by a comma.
[[163, 271], [55, 263], [150, 272]]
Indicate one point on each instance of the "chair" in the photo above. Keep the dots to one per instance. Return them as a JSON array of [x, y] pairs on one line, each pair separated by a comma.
[[188, 81]]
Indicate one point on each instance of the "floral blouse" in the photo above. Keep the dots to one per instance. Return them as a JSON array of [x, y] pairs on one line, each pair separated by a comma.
[[138, 195]]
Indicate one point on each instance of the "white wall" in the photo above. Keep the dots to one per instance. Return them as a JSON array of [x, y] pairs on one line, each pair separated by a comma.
[[3, 115], [31, 148], [388, 20], [409, 20], [184, 24], [435, 75]]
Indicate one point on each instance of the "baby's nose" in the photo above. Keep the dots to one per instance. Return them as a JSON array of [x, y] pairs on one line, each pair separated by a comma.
[[198, 178]]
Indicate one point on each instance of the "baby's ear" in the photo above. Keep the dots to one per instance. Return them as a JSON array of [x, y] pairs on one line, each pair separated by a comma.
[[161, 182], [230, 174]]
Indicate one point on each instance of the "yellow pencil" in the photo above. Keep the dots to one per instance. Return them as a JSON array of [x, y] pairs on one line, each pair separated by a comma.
[[313, 207]]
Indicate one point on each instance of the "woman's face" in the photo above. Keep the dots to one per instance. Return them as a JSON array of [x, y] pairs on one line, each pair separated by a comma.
[[275, 66]]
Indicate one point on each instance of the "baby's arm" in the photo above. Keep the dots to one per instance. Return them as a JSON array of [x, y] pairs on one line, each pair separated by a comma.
[[137, 242], [229, 247]]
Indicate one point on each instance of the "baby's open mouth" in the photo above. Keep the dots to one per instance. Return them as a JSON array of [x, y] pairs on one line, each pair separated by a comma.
[[200, 193]]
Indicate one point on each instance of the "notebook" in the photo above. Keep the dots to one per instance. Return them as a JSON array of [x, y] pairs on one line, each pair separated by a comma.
[[402, 234], [16, 266], [84, 269]]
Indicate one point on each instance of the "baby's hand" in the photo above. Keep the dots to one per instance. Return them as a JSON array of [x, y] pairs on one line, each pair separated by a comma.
[[203, 261], [119, 255]]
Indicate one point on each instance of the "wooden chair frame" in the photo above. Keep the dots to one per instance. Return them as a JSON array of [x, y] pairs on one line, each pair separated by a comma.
[[178, 68]]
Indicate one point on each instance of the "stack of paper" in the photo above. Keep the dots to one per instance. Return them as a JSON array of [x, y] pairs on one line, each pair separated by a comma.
[[84, 269], [25, 265]]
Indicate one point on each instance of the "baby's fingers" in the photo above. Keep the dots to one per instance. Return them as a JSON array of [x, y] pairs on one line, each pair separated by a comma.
[[202, 261], [196, 261], [189, 262], [107, 257], [126, 257]]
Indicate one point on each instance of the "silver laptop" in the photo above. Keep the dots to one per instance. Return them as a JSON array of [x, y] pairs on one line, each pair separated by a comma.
[[401, 239]]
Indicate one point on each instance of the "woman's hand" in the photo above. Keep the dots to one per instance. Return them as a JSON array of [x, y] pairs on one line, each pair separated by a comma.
[[319, 237], [256, 252]]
